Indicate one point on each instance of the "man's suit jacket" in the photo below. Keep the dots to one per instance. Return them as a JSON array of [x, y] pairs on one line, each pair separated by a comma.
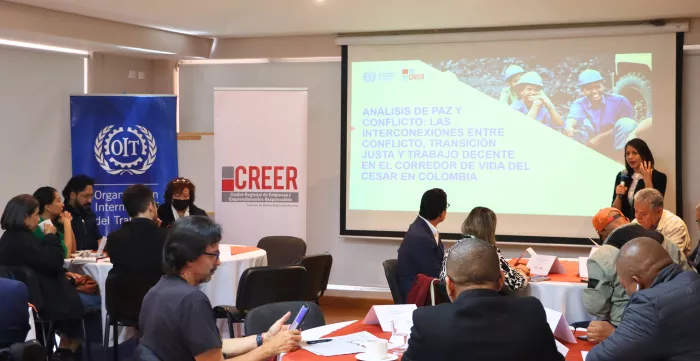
[[419, 253], [136, 251], [482, 325]]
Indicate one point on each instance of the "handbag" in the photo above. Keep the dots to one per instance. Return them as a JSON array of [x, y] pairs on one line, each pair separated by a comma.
[[83, 283]]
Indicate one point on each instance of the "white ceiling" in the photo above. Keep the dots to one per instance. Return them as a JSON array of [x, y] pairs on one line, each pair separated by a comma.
[[245, 18]]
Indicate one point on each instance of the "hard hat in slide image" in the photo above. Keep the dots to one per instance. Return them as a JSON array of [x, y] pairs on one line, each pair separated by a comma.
[[531, 78], [511, 71], [589, 76]]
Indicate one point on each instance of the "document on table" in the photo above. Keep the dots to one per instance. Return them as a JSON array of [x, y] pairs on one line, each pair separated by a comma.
[[341, 345], [384, 314], [563, 350], [584, 354]]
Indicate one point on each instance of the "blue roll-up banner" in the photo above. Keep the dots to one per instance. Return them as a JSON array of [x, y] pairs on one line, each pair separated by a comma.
[[120, 140]]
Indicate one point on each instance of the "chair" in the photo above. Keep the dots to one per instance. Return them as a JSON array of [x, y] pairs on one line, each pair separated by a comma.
[[282, 250], [24, 351], [143, 353], [261, 318], [390, 273], [318, 268], [123, 298], [263, 285]]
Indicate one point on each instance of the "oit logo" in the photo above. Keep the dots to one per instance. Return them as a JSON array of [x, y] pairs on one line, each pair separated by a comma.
[[369, 76], [130, 151]]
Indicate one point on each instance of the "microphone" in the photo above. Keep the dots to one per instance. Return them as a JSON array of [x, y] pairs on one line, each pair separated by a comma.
[[623, 176]]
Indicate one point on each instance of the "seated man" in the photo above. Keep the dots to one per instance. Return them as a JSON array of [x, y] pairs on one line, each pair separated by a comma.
[[14, 312], [422, 250], [694, 258], [608, 118], [480, 324], [533, 103], [605, 297], [177, 321], [136, 249], [649, 212], [78, 195], [663, 309]]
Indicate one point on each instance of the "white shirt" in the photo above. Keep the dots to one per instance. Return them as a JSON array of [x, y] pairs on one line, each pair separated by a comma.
[[434, 229], [177, 216], [674, 229]]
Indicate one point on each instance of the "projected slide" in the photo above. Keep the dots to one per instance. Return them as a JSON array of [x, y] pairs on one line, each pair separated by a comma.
[[519, 134]]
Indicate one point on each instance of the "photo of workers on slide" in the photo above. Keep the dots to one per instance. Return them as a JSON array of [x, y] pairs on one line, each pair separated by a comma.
[[601, 101]]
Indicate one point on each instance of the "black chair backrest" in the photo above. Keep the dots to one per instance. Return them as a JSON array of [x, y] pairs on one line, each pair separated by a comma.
[[123, 298], [259, 319], [282, 250], [143, 353], [390, 273], [28, 276], [318, 268], [263, 285]]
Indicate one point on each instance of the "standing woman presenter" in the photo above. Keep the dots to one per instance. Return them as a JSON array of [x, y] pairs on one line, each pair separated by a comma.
[[639, 173]]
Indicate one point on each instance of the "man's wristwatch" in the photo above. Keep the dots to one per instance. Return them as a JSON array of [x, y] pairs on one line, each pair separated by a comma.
[[259, 339]]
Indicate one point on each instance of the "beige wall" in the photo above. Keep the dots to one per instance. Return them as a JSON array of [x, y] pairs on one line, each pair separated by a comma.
[[109, 74], [276, 47]]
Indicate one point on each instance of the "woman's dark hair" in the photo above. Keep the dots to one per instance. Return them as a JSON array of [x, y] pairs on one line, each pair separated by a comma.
[[433, 203], [481, 223], [644, 152], [176, 186], [45, 196], [187, 240], [77, 184], [17, 210]]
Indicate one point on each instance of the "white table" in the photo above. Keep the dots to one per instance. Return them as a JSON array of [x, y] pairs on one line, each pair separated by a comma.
[[565, 297], [221, 290]]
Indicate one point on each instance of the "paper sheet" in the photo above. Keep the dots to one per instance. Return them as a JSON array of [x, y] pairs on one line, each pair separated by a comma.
[[563, 350], [583, 267], [341, 345], [559, 326], [384, 314], [543, 265], [584, 354]]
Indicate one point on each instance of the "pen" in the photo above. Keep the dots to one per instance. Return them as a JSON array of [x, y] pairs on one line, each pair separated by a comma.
[[319, 341]]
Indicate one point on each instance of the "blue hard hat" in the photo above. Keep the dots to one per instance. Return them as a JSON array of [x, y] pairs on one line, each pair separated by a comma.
[[531, 78], [511, 71], [589, 76]]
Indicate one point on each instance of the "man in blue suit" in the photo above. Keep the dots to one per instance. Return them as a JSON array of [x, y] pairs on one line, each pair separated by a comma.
[[421, 251]]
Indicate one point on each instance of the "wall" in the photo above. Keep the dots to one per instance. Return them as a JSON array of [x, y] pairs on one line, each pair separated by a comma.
[[109, 74], [691, 146]]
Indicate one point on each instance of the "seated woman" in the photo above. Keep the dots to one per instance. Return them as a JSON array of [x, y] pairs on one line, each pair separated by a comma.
[[179, 202], [51, 208], [481, 224], [19, 247]]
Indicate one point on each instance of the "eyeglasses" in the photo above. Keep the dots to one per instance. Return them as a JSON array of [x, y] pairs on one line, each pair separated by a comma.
[[216, 254], [448, 206], [182, 180]]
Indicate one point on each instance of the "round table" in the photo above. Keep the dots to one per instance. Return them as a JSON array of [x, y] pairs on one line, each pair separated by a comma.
[[563, 292], [221, 290], [346, 328]]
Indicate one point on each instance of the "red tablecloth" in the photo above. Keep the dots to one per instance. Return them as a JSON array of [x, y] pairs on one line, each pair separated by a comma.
[[303, 355], [571, 274], [242, 249]]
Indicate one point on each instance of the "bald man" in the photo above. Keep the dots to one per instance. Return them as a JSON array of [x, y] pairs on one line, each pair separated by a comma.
[[480, 324], [604, 297], [663, 311]]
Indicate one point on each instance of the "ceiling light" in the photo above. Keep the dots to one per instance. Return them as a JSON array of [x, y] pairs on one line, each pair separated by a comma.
[[22, 44]]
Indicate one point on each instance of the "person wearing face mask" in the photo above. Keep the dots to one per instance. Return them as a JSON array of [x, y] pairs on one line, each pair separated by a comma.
[[663, 309], [51, 208], [136, 249], [78, 199], [179, 202]]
